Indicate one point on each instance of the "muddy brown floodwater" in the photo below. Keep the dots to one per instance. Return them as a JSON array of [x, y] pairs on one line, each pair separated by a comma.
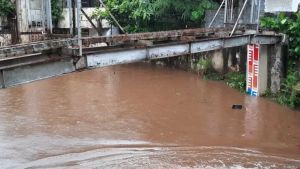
[[142, 116]]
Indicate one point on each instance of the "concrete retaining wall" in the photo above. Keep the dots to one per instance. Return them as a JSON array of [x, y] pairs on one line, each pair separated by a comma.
[[29, 73]]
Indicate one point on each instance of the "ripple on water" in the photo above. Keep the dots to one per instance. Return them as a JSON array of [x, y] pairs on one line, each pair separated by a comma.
[[165, 157]]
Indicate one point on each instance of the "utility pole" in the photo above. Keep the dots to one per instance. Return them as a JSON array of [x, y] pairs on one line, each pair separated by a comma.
[[79, 26]]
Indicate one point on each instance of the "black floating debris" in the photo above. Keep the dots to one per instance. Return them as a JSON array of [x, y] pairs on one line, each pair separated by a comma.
[[237, 107]]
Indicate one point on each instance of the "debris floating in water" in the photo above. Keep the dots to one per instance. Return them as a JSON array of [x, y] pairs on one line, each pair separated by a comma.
[[237, 107]]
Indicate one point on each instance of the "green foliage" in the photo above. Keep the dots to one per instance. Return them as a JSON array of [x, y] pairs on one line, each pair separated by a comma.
[[291, 27], [236, 80], [204, 65], [133, 15], [6, 7], [276, 24], [188, 10], [57, 11], [213, 76], [155, 15], [288, 95]]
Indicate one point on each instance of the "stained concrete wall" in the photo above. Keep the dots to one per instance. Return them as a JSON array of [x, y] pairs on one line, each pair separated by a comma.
[[1, 79], [263, 69], [276, 66], [30, 73], [5, 39]]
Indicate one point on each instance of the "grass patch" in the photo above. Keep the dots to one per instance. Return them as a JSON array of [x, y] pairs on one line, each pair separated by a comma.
[[236, 80]]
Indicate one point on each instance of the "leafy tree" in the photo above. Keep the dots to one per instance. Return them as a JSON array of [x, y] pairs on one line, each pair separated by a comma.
[[187, 10], [134, 15], [291, 27], [57, 11], [6, 8], [154, 15]]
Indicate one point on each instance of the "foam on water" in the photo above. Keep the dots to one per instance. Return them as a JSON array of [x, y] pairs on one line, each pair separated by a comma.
[[165, 157]]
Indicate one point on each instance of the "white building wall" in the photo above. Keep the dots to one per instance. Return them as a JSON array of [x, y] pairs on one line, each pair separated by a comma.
[[281, 5], [65, 23]]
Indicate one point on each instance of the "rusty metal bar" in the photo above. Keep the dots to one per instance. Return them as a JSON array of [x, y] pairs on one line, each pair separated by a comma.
[[200, 32], [112, 16]]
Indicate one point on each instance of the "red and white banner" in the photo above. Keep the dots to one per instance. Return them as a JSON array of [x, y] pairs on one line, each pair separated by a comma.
[[252, 69]]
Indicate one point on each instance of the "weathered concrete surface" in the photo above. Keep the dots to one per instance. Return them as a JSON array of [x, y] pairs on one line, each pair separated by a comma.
[[168, 51], [263, 69], [35, 72], [109, 56], [218, 60], [163, 35], [1, 79], [81, 63], [276, 67], [22, 49], [114, 58]]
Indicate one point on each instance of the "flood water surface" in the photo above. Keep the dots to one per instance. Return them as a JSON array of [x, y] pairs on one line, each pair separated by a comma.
[[143, 116]]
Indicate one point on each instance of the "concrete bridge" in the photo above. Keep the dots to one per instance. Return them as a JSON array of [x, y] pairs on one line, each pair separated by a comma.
[[34, 61]]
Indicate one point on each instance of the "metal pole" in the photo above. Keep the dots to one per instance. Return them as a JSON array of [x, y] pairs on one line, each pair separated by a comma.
[[231, 14], [69, 4], [258, 15], [17, 20], [239, 17], [252, 11], [49, 16], [79, 27], [218, 11], [74, 17], [225, 12], [44, 15]]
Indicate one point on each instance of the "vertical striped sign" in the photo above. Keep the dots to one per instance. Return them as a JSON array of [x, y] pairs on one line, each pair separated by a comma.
[[252, 70]]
